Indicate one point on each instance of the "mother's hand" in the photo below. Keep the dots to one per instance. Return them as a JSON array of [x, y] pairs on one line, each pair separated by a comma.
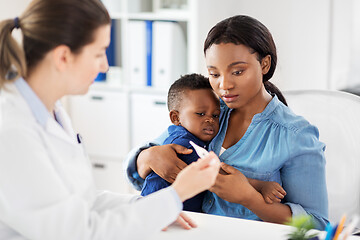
[[232, 186], [162, 160]]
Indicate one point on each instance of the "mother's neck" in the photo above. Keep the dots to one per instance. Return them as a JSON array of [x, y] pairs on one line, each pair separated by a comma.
[[255, 105]]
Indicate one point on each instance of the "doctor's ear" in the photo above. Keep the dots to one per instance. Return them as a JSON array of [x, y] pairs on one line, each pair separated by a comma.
[[174, 117], [62, 56], [265, 64]]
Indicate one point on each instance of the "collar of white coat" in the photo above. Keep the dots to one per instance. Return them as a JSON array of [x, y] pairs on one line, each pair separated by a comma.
[[43, 116]]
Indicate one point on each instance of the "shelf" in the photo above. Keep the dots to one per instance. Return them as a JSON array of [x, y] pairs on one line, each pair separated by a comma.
[[108, 87], [117, 15], [180, 16], [104, 86], [168, 15]]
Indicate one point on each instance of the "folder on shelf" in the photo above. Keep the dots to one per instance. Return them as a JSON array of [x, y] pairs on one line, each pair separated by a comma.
[[168, 53], [111, 50], [149, 46], [137, 53]]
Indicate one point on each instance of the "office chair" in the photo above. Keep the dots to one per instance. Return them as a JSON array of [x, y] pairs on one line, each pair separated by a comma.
[[337, 116]]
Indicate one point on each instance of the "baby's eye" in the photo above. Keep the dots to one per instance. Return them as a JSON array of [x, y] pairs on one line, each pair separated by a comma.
[[201, 114], [215, 116]]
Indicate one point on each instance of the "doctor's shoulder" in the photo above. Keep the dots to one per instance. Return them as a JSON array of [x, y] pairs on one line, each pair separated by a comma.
[[18, 130]]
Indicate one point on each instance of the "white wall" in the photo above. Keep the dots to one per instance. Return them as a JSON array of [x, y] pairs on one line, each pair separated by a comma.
[[354, 71], [316, 40], [301, 32], [12, 8]]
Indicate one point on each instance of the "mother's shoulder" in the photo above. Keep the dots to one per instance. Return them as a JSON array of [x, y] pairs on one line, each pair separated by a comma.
[[284, 116]]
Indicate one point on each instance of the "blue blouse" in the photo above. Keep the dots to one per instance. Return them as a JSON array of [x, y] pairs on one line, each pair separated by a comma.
[[277, 146]]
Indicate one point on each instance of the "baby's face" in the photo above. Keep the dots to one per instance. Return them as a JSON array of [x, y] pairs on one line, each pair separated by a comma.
[[199, 113]]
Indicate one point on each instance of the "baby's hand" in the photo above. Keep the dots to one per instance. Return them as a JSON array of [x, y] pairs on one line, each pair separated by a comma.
[[272, 192]]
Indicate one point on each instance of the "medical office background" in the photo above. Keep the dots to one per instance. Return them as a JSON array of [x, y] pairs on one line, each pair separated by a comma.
[[154, 41]]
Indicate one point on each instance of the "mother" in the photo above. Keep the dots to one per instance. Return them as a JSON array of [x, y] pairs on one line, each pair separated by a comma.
[[259, 136]]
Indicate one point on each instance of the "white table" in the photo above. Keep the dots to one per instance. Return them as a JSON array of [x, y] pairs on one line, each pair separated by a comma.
[[224, 228]]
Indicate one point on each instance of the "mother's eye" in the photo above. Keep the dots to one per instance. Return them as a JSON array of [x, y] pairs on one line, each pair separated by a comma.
[[237, 72]]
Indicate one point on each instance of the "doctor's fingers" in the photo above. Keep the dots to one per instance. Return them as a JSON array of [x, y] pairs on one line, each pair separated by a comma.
[[188, 220], [210, 161], [206, 175]]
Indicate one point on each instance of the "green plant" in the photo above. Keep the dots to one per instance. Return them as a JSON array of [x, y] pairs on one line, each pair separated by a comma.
[[302, 225]]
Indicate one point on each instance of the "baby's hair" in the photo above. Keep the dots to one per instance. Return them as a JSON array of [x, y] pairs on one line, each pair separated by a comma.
[[186, 82]]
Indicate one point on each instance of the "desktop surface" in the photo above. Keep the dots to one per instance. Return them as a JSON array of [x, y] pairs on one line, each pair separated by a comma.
[[218, 227]]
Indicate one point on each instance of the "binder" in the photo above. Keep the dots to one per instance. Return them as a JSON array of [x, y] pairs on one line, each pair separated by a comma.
[[168, 53], [137, 53], [111, 50], [149, 38]]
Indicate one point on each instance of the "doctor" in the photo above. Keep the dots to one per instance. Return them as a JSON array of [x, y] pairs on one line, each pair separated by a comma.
[[46, 186]]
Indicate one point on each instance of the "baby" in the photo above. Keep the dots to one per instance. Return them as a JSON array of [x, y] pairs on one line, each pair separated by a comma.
[[194, 111]]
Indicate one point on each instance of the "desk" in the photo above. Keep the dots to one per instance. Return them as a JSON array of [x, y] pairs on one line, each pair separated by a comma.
[[221, 228]]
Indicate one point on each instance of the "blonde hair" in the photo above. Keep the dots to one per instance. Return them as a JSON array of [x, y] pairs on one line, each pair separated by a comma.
[[12, 57], [44, 25]]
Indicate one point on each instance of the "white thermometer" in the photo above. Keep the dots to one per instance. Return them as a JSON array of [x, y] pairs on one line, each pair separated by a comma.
[[201, 152]]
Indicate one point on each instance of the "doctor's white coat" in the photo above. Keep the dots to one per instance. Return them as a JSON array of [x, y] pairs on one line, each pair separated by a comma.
[[47, 189]]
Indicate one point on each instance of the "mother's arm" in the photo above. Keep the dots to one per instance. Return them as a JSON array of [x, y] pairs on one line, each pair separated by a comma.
[[246, 195], [130, 165], [151, 157], [162, 160], [303, 178]]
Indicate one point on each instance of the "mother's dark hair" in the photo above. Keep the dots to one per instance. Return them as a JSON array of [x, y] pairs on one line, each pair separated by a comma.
[[250, 32]]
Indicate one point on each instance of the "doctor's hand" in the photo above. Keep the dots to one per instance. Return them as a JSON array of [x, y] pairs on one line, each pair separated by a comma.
[[162, 160], [197, 177], [232, 186], [184, 221]]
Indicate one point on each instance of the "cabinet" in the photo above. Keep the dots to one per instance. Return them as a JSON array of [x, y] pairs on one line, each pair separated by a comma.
[[101, 118], [149, 116], [109, 175]]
